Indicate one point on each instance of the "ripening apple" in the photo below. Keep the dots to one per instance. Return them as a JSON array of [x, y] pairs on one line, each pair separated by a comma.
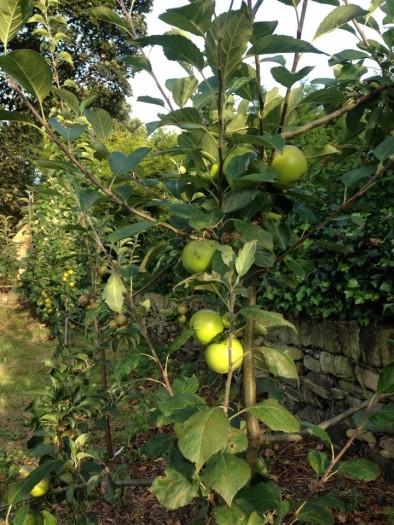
[[197, 255], [40, 489], [217, 356], [206, 324], [291, 165]]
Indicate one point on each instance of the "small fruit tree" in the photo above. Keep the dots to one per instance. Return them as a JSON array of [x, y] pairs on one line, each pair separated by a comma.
[[225, 213]]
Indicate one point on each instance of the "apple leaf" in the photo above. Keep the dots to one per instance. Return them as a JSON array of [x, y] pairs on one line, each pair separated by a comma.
[[101, 122], [15, 116], [286, 78], [315, 514], [182, 89], [176, 47], [245, 258], [194, 18], [338, 17], [281, 44], [113, 293], [278, 362], [318, 461], [261, 497], [120, 163], [226, 474], [71, 133], [360, 469], [276, 417], [13, 15], [30, 70], [266, 318], [177, 489], [230, 516], [69, 98], [250, 232], [205, 433], [385, 149], [237, 441]]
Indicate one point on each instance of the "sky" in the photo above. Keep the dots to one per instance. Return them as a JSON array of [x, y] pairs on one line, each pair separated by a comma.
[[143, 84]]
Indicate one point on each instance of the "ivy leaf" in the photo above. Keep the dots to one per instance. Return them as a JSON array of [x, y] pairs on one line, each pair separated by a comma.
[[360, 469], [13, 15], [338, 17], [205, 433], [245, 258], [30, 70], [195, 18], [276, 417], [176, 489], [226, 474], [113, 293]]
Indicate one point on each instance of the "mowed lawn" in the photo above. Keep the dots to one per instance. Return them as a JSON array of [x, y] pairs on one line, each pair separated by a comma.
[[24, 345]]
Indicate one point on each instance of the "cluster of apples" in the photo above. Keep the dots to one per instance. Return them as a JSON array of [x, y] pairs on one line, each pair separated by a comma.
[[207, 324]]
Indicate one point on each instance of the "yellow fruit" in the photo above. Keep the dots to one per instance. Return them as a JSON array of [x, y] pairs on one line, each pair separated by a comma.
[[182, 309], [113, 325], [72, 284], [70, 272], [206, 324], [121, 319], [217, 356], [182, 319], [40, 489], [197, 255], [291, 165], [102, 270]]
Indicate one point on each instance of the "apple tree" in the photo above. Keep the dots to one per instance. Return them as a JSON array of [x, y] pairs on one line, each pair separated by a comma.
[[241, 179]]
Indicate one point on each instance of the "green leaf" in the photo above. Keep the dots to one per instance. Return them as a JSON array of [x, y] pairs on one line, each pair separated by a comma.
[[237, 199], [204, 434], [318, 461], [129, 231], [113, 293], [120, 163], [49, 519], [138, 63], [260, 497], [181, 406], [245, 258], [287, 78], [182, 385], [266, 318], [360, 469], [20, 491], [318, 432], [276, 417], [203, 221], [237, 441], [101, 122], [15, 116], [195, 18], [125, 366], [385, 149], [386, 380], [178, 48], [251, 232], [338, 17], [383, 417], [13, 16], [69, 98], [281, 44], [271, 141], [58, 165], [176, 489], [351, 177], [30, 70], [230, 516], [182, 89], [151, 100], [324, 96], [278, 362], [227, 40], [158, 445], [87, 198], [315, 514], [71, 133], [179, 341], [107, 15], [226, 474], [188, 118]]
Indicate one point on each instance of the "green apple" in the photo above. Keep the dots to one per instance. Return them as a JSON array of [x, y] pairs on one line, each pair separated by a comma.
[[206, 324], [197, 255], [40, 489], [121, 320], [182, 319], [291, 165], [217, 356], [182, 309]]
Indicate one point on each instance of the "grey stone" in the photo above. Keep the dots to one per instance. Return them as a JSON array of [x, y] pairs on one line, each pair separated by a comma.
[[384, 347], [367, 378], [353, 389], [317, 339], [370, 354], [330, 336], [367, 436], [304, 333], [321, 379], [313, 352], [386, 454], [353, 402], [388, 444], [317, 389], [311, 363], [295, 353], [337, 393], [349, 339], [337, 365]]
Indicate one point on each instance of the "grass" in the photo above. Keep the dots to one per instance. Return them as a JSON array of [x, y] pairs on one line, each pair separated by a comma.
[[24, 345]]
